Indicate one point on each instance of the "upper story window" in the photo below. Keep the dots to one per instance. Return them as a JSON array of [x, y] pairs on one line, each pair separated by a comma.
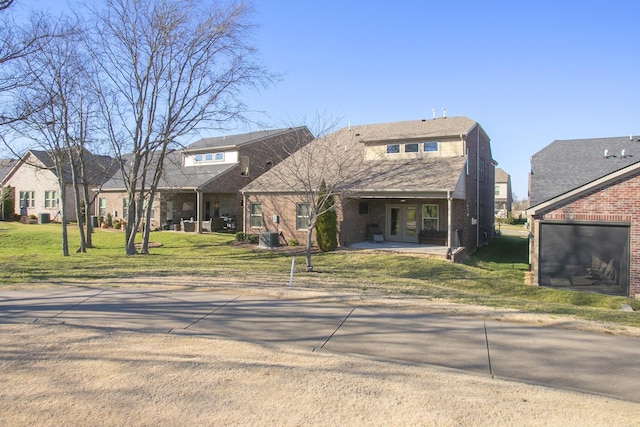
[[430, 146], [208, 157], [393, 148], [411, 148]]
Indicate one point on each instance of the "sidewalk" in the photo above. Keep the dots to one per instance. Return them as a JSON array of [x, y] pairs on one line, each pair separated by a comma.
[[590, 362]]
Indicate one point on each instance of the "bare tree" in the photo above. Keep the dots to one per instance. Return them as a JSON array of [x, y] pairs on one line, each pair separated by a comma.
[[315, 175], [55, 112], [167, 68]]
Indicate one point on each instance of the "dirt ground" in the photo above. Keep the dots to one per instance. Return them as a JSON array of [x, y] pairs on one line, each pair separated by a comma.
[[62, 375]]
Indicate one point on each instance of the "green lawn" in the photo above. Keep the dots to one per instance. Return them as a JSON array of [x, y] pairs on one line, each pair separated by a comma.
[[494, 276]]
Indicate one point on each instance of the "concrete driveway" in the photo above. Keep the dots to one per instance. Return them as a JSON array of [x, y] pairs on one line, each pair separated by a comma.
[[589, 362]]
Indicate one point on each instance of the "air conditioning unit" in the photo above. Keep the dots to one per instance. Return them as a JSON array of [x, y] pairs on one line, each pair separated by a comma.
[[268, 239]]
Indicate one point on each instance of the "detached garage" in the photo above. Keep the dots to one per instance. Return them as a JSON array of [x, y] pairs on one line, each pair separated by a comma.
[[590, 255], [585, 216]]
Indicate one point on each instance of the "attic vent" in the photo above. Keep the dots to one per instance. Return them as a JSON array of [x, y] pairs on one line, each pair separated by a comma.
[[607, 155]]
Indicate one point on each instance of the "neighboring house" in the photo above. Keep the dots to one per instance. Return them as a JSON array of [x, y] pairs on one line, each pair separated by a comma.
[[585, 227], [35, 186], [503, 196], [201, 182], [423, 181]]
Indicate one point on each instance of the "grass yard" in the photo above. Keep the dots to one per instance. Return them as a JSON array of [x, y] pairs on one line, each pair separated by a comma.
[[494, 276]]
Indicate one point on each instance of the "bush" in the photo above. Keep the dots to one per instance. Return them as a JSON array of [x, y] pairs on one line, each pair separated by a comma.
[[241, 236], [108, 219], [117, 225], [293, 242], [253, 238], [327, 223]]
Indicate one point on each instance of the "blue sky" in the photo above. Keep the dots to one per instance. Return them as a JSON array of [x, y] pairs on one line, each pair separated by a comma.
[[528, 72]]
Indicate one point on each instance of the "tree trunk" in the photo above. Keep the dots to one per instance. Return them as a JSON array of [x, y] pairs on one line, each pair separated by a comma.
[[63, 221], [308, 249], [88, 205]]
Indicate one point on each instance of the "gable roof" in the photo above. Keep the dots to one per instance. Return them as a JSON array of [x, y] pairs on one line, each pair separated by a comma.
[[602, 182], [5, 167], [97, 169], [565, 165], [373, 178]]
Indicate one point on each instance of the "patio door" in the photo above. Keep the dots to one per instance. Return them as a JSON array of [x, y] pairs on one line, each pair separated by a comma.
[[402, 221]]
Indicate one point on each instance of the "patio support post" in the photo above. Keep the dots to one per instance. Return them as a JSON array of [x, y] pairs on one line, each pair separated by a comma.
[[449, 218], [199, 204]]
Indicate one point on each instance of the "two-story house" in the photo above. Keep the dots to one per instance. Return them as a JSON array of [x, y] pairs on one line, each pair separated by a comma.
[[422, 181], [503, 195], [201, 182]]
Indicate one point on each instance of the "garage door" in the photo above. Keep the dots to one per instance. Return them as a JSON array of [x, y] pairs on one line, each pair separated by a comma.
[[585, 256]]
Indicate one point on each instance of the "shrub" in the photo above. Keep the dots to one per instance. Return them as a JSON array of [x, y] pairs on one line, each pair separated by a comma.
[[253, 238], [108, 219], [241, 236], [293, 242], [117, 225], [327, 223]]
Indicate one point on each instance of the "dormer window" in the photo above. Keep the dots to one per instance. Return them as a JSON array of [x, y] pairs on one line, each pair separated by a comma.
[[208, 157]]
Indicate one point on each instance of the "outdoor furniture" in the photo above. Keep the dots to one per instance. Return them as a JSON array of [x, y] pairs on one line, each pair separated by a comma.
[[433, 237]]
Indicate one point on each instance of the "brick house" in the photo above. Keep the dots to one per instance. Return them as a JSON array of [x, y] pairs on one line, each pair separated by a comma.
[[422, 181], [585, 228], [33, 183], [200, 183]]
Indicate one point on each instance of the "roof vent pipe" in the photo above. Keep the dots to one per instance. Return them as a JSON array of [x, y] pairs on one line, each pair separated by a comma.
[[606, 154], [444, 113], [433, 111]]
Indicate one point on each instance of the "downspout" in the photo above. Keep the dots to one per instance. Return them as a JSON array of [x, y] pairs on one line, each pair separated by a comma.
[[477, 187], [244, 213], [449, 219]]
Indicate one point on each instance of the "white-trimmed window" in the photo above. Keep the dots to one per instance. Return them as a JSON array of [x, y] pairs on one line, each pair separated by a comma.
[[102, 207], [302, 216], [255, 212], [430, 217], [50, 200], [411, 147], [27, 199], [430, 146], [393, 148]]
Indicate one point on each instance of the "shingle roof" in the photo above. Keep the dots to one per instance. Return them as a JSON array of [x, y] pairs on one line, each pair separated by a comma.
[[501, 175], [417, 175], [176, 176], [450, 126], [97, 168], [565, 165], [5, 167], [233, 140]]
